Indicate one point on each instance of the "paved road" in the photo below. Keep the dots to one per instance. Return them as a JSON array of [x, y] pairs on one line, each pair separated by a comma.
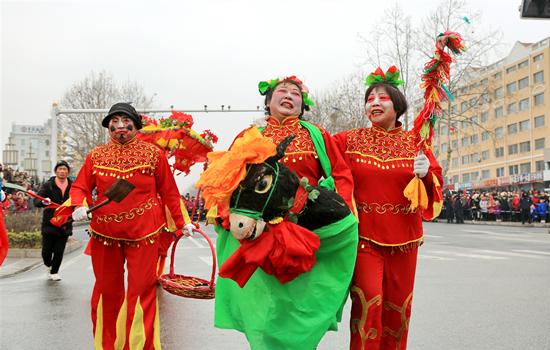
[[477, 288]]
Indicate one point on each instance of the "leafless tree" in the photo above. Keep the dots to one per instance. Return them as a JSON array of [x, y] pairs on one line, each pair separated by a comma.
[[81, 132], [341, 107]]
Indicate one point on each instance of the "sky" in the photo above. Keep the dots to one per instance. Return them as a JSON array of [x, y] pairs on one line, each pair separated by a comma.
[[194, 53]]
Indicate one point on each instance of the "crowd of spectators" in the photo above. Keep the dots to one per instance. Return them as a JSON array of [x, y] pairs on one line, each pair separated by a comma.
[[524, 206], [192, 203], [18, 201]]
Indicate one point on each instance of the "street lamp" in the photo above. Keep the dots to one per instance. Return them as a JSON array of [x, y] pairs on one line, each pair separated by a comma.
[[30, 163]]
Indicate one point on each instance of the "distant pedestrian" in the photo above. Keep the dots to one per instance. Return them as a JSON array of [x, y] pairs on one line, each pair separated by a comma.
[[525, 207], [54, 239]]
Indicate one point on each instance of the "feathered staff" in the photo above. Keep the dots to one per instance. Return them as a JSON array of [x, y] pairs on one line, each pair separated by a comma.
[[436, 75]]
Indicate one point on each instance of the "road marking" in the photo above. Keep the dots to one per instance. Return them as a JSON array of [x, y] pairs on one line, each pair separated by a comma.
[[475, 256], [508, 253], [195, 242], [507, 237], [532, 251], [424, 256], [433, 236]]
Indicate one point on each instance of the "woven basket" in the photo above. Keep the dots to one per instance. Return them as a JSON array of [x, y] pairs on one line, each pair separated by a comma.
[[189, 286]]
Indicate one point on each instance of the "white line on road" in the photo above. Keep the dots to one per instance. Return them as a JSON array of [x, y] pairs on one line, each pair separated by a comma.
[[424, 256], [531, 251], [508, 253], [433, 236], [475, 256], [507, 237], [195, 242]]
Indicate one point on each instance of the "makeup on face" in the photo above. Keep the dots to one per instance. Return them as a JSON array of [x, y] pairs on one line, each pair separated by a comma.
[[121, 128], [380, 110], [286, 101]]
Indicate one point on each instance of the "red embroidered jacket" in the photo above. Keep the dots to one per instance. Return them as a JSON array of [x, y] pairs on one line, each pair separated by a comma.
[[141, 213], [382, 165], [302, 158]]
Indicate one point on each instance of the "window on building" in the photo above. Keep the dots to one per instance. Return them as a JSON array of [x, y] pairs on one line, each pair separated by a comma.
[[525, 146], [539, 165], [473, 101], [465, 177], [538, 77], [474, 120], [47, 142], [474, 139], [485, 155], [511, 88], [47, 154], [499, 152], [474, 175], [523, 104], [523, 83], [474, 157], [499, 92], [455, 144], [444, 130], [485, 174], [539, 99], [499, 112], [512, 128], [444, 163], [465, 160], [454, 161], [455, 178], [524, 125], [465, 141], [499, 132], [484, 81], [513, 149], [500, 172], [484, 117], [513, 170], [539, 121], [539, 143], [523, 64], [512, 108], [485, 136], [497, 75], [525, 168], [510, 69], [464, 106], [538, 57], [454, 109]]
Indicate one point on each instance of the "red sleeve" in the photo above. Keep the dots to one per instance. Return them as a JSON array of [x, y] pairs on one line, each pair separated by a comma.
[[340, 170], [168, 190], [340, 140], [82, 187]]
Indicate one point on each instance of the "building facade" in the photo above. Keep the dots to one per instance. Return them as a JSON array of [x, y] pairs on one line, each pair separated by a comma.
[[498, 135], [28, 149]]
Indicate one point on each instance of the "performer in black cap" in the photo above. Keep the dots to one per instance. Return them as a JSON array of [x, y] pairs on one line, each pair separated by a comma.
[[127, 237], [54, 238]]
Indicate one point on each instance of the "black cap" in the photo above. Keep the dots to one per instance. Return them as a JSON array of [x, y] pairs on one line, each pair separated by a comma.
[[61, 163], [125, 109]]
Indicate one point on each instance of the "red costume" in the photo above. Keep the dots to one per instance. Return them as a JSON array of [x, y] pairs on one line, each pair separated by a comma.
[[127, 232], [302, 158], [389, 231]]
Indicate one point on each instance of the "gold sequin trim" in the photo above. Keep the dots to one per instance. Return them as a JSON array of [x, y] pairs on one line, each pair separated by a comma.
[[125, 160], [382, 145], [127, 215], [386, 208], [105, 240]]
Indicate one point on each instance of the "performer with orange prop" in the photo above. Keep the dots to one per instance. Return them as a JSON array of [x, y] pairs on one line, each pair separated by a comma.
[[390, 221]]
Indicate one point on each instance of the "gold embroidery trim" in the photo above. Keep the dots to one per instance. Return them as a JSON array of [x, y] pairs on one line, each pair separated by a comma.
[[127, 215], [359, 325], [386, 208], [108, 240], [402, 310]]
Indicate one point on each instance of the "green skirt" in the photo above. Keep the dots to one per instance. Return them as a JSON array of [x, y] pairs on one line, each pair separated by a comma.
[[297, 314]]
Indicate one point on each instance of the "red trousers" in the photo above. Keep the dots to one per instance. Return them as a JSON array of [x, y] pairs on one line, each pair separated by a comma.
[[125, 318], [381, 296]]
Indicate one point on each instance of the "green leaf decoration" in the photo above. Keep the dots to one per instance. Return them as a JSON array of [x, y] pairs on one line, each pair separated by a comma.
[[265, 86], [313, 195]]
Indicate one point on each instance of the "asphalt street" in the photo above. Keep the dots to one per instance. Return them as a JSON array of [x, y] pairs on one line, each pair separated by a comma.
[[477, 287]]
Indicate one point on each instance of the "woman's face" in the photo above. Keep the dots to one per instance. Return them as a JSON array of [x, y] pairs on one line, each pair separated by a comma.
[[286, 101], [379, 109]]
